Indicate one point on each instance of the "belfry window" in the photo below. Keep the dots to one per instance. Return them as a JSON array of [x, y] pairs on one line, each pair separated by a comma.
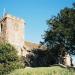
[[1, 26]]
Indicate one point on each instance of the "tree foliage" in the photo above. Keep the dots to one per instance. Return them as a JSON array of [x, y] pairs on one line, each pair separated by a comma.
[[7, 53], [9, 59], [39, 58], [60, 35], [61, 31]]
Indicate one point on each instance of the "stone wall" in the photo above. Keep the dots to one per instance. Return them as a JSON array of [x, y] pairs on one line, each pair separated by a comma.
[[2, 30], [67, 60], [12, 31]]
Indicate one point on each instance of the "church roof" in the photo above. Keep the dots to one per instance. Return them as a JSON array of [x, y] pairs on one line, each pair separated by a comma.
[[30, 46]]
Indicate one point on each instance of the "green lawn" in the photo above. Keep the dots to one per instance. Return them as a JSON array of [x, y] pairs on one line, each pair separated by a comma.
[[55, 70]]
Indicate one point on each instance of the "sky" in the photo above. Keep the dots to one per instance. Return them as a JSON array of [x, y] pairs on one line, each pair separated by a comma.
[[35, 13]]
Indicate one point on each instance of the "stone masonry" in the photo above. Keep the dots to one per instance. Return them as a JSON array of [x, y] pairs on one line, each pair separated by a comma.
[[12, 31]]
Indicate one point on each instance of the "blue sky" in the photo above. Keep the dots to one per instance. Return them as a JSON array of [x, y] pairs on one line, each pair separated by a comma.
[[35, 13]]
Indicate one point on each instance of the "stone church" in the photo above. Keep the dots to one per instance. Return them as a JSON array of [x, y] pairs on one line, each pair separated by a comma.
[[12, 31]]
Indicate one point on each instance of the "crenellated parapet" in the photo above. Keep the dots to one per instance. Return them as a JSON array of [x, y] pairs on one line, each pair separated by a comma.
[[13, 17]]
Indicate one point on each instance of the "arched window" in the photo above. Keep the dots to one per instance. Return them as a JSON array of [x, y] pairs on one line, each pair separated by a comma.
[[1, 26]]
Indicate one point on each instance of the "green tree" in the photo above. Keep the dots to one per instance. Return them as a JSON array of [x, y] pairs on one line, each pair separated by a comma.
[[9, 59], [60, 35], [7, 53]]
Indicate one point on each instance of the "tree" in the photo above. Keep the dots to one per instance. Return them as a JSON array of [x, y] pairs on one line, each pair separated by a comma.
[[60, 35], [9, 59], [7, 53]]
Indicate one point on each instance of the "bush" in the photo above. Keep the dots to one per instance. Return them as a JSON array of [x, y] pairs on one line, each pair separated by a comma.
[[40, 58], [9, 59]]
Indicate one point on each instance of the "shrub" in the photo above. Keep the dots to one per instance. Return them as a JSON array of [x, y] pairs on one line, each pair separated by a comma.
[[9, 59]]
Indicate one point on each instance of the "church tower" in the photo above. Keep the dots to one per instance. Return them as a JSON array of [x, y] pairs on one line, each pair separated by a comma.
[[12, 31]]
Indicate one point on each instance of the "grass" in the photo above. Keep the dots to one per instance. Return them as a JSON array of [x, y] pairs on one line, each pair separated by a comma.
[[55, 70]]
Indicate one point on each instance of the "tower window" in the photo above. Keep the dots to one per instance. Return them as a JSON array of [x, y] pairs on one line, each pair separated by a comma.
[[1, 26]]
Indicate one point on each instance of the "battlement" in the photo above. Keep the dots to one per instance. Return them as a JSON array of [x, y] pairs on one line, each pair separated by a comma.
[[13, 17]]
